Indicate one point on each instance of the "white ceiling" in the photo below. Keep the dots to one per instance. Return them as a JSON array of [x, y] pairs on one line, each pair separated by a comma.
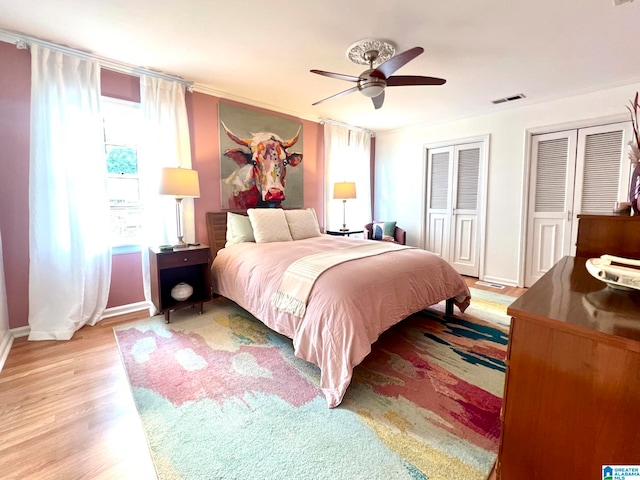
[[260, 52]]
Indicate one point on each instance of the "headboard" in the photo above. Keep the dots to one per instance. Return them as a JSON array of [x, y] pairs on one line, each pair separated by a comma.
[[216, 231]]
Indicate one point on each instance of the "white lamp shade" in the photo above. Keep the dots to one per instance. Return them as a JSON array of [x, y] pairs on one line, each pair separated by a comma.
[[180, 182], [344, 190]]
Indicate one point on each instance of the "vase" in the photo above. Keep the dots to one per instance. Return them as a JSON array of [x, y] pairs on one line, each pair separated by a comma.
[[181, 291], [634, 189]]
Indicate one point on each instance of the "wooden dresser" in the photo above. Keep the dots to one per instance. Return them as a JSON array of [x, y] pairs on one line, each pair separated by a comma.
[[612, 234], [572, 386]]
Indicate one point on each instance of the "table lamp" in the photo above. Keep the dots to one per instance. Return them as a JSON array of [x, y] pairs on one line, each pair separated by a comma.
[[344, 191], [180, 183]]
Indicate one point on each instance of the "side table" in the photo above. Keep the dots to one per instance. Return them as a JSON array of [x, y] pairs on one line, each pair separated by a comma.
[[168, 268], [344, 233]]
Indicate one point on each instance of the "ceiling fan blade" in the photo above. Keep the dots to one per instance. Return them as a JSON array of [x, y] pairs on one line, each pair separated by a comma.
[[339, 76], [399, 80], [351, 90], [389, 67], [378, 101]]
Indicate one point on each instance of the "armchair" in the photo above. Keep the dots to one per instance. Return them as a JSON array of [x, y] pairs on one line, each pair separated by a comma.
[[399, 235]]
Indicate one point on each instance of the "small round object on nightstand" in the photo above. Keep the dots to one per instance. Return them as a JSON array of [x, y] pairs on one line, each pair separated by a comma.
[[181, 291]]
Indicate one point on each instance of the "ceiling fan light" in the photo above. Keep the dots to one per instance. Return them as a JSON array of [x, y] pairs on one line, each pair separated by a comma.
[[371, 90]]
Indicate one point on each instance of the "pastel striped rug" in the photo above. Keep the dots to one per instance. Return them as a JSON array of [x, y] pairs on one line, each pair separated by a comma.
[[221, 396]]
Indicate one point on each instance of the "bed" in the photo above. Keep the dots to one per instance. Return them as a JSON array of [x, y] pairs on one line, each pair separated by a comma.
[[349, 305]]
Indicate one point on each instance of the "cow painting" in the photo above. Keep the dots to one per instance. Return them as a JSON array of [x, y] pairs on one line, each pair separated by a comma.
[[259, 177]]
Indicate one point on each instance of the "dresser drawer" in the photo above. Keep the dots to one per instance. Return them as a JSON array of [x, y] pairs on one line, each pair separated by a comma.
[[182, 259]]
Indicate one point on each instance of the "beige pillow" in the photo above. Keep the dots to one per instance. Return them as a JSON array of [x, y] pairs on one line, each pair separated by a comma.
[[302, 223], [269, 225], [239, 229]]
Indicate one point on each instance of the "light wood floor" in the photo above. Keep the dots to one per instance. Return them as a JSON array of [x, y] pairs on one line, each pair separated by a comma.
[[66, 411]]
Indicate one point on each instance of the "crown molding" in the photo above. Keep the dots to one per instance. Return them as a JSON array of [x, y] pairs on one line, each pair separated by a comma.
[[201, 88]]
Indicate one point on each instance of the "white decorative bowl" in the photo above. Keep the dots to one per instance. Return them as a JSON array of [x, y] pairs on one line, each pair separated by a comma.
[[624, 274], [182, 291]]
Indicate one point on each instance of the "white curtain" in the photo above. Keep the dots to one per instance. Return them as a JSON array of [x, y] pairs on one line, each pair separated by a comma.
[[347, 159], [165, 143], [69, 249]]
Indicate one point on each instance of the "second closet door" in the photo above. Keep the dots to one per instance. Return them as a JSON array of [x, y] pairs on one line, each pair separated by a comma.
[[572, 172], [453, 205]]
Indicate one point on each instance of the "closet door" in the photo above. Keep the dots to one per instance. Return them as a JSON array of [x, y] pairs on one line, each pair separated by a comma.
[[550, 202], [602, 172], [465, 201], [440, 170], [572, 172], [453, 205]]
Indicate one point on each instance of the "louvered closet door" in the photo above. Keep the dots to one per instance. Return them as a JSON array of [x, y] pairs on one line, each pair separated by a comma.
[[550, 202], [602, 171], [573, 172], [452, 207], [466, 171], [439, 169]]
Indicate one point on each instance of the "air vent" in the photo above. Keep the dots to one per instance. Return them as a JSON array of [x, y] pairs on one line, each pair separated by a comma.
[[620, 2], [509, 99]]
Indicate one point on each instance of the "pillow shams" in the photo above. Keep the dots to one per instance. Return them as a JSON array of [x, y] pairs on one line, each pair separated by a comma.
[[239, 229], [302, 223], [269, 225]]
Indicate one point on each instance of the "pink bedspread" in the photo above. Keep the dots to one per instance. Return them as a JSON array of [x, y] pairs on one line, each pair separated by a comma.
[[350, 305]]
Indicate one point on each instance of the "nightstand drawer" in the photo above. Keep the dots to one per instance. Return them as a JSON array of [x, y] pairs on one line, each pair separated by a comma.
[[181, 259]]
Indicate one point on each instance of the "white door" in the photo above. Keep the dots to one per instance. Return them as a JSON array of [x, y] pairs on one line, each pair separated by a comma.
[[572, 172], [466, 174], [550, 201], [439, 201], [453, 205]]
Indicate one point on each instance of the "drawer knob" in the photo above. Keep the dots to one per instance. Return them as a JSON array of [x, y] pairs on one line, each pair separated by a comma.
[[184, 259]]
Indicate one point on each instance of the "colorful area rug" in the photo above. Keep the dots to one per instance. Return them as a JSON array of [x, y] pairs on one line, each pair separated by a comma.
[[223, 397]]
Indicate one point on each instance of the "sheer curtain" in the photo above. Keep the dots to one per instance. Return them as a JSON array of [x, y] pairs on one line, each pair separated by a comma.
[[347, 159], [165, 143], [69, 248]]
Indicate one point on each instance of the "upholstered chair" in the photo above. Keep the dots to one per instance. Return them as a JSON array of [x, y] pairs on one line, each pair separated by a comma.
[[399, 235]]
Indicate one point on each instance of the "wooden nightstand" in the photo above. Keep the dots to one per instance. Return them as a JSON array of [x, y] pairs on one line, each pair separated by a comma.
[[168, 268]]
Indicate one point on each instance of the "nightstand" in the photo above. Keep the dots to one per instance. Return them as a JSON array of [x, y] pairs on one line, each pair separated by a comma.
[[168, 268], [344, 233]]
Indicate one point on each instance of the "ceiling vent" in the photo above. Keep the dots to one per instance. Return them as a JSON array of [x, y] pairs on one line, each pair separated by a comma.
[[620, 2], [508, 99]]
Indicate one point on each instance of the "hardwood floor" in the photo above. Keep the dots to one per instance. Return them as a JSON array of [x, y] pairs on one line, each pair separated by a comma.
[[66, 411], [510, 291]]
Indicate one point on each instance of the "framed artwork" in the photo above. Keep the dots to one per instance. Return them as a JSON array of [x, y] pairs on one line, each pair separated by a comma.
[[260, 159]]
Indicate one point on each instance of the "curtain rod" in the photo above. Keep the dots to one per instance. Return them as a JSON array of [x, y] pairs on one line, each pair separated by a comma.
[[22, 42], [334, 122]]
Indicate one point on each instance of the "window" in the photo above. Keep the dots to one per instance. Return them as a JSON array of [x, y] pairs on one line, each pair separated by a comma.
[[121, 132]]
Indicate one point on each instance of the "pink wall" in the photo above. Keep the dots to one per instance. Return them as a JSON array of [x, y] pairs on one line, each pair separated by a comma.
[[202, 110], [126, 282], [15, 94]]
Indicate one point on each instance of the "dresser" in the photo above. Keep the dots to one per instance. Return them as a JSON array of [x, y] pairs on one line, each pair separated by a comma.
[[572, 384], [612, 234]]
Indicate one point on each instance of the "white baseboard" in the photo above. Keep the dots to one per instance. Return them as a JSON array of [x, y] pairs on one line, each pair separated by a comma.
[[6, 337], [20, 331], [502, 281], [124, 309], [6, 340]]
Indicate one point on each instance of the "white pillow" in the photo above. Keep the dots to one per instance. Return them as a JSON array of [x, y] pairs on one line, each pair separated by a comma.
[[269, 225], [302, 223], [239, 229]]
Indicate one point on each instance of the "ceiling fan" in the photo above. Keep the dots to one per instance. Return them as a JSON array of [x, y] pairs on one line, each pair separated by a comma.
[[372, 82]]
